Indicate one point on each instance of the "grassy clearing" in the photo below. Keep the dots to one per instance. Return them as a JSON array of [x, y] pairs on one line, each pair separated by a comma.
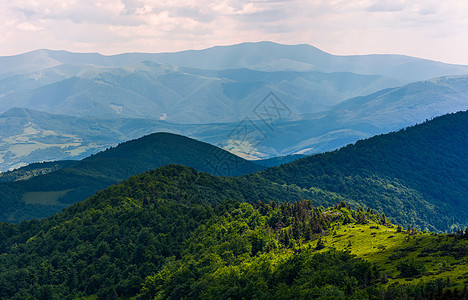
[[443, 255]]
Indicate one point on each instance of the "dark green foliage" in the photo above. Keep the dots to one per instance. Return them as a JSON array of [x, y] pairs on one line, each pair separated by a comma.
[[240, 255], [303, 275], [320, 245], [410, 267], [276, 161], [104, 243], [158, 235], [397, 255], [108, 244], [402, 174], [436, 289], [86, 177], [416, 176], [383, 219]]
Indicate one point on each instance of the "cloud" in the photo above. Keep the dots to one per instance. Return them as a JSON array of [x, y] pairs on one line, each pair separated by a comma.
[[25, 26], [426, 28], [387, 6]]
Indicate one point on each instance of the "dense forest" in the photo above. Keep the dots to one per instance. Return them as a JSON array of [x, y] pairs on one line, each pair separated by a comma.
[[44, 195], [417, 175], [313, 228], [150, 237]]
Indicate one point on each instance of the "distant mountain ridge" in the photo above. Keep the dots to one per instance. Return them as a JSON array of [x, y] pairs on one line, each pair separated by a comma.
[[181, 88], [35, 169], [262, 56], [157, 91], [28, 136]]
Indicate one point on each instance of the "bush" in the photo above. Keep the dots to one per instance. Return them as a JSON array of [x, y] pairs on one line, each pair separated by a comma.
[[397, 255], [410, 267]]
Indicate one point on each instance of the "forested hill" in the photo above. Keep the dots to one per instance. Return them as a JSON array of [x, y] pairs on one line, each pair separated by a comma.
[[417, 176], [174, 233], [162, 148], [114, 239], [45, 195], [429, 159]]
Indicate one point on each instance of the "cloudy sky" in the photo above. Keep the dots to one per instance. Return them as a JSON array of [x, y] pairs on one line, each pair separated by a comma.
[[425, 28]]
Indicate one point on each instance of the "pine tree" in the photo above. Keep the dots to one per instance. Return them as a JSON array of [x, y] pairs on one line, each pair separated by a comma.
[[383, 220]]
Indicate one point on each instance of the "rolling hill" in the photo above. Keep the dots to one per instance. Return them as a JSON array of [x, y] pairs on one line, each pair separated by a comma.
[[417, 176], [174, 232], [29, 136], [429, 160], [170, 217], [382, 112], [268, 56], [181, 88], [46, 194], [151, 237]]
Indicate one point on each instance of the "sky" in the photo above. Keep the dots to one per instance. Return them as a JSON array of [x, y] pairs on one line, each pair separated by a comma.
[[430, 29]]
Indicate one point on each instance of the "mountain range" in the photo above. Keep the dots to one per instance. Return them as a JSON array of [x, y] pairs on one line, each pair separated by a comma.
[[155, 91], [128, 241], [29, 136], [208, 94], [261, 56], [181, 88]]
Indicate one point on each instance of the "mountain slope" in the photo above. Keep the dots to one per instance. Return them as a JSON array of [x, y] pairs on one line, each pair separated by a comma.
[[69, 83], [153, 90], [429, 159], [382, 112], [142, 86], [44, 195], [276, 161], [271, 56], [151, 236], [401, 174]]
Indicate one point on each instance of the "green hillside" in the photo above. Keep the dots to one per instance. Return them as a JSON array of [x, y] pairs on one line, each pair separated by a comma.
[[152, 237], [45, 195], [417, 176]]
